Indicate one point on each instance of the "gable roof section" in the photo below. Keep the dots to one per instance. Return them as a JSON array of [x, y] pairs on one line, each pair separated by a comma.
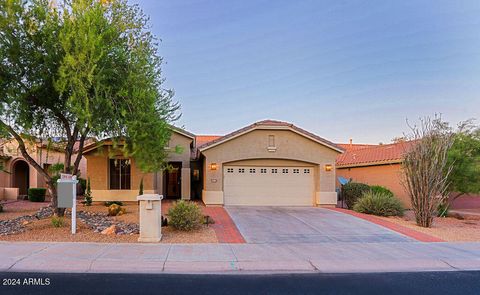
[[108, 141], [270, 124], [374, 155]]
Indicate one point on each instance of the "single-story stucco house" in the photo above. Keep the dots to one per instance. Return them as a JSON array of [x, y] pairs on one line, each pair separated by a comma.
[[266, 163], [375, 165]]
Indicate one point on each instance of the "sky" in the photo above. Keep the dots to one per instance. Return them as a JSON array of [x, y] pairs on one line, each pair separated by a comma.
[[340, 69]]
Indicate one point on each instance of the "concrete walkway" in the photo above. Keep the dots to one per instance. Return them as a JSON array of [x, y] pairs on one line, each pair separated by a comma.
[[238, 258]]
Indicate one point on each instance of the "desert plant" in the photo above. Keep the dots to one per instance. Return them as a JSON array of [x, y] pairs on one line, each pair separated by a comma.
[[37, 194], [109, 203], [379, 203], [185, 216], [381, 189], [57, 221], [442, 209], [352, 191], [140, 191], [88, 194], [116, 210], [426, 168]]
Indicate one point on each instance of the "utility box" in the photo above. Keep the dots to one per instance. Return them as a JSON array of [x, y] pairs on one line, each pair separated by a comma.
[[150, 218]]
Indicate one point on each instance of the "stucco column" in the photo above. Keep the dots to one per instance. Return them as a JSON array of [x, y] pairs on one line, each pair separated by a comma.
[[150, 218], [185, 184], [326, 194]]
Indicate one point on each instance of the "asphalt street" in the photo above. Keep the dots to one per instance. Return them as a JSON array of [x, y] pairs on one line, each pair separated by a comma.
[[424, 283]]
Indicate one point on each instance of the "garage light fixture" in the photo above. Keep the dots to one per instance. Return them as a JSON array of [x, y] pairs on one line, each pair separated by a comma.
[[213, 166], [328, 167]]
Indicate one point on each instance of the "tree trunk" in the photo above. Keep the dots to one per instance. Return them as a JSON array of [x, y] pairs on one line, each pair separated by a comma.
[[52, 189]]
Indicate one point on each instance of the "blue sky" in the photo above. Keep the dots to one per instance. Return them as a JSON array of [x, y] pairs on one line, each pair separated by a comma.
[[340, 69]]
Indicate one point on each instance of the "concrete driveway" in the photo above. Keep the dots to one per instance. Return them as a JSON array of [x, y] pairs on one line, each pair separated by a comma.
[[278, 225]]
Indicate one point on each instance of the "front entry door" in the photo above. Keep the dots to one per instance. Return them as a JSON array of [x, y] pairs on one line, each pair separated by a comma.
[[173, 181]]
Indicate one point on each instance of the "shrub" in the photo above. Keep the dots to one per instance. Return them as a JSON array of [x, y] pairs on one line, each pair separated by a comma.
[[140, 191], [88, 194], [57, 221], [381, 189], [380, 204], [37, 194], [185, 216], [109, 203], [442, 209], [116, 210], [352, 191], [82, 183]]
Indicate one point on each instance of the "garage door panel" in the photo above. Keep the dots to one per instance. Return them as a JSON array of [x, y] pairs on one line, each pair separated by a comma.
[[261, 186]]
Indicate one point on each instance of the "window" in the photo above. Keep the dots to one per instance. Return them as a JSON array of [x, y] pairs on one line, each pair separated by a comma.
[[241, 170], [271, 141], [229, 170], [285, 171], [296, 171], [263, 170], [274, 170], [252, 170], [306, 171], [119, 174]]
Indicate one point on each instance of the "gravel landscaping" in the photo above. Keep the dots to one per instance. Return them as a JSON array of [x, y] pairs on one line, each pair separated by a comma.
[[21, 222], [446, 228]]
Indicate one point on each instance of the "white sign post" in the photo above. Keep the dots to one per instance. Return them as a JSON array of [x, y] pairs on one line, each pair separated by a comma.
[[67, 196]]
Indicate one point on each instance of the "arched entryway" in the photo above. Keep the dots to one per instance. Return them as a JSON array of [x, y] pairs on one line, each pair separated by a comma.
[[21, 177]]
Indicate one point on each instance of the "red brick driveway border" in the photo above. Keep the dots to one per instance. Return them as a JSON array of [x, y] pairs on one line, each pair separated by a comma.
[[416, 235], [225, 228]]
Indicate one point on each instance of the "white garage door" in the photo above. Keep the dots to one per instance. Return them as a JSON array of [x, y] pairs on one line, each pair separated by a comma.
[[268, 186]]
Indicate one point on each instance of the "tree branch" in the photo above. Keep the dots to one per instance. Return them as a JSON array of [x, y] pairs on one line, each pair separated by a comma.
[[80, 151]]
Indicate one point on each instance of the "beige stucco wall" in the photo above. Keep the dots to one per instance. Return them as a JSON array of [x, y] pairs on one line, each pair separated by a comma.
[[97, 171], [185, 144], [291, 149]]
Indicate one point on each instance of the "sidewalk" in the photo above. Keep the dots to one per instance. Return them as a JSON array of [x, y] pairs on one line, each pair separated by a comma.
[[238, 258]]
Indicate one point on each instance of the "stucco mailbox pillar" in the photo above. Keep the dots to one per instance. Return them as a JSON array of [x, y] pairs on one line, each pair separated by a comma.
[[150, 218]]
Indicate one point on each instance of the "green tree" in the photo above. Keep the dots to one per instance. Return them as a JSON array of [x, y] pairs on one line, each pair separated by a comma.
[[464, 156], [82, 68]]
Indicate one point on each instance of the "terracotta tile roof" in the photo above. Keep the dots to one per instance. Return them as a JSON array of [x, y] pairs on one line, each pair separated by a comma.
[[203, 139], [354, 146], [270, 123], [374, 155]]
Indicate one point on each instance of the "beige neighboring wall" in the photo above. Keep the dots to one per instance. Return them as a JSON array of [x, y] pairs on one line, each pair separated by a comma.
[[97, 171], [388, 175], [42, 155], [292, 149]]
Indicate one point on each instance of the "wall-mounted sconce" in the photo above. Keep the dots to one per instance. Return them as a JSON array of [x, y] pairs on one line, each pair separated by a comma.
[[213, 166], [328, 167]]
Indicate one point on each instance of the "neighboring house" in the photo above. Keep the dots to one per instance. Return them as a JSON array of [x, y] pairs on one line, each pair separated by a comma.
[[19, 176], [266, 163], [375, 165]]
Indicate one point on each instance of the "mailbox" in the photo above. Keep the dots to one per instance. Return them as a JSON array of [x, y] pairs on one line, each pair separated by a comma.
[[67, 196], [66, 193]]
